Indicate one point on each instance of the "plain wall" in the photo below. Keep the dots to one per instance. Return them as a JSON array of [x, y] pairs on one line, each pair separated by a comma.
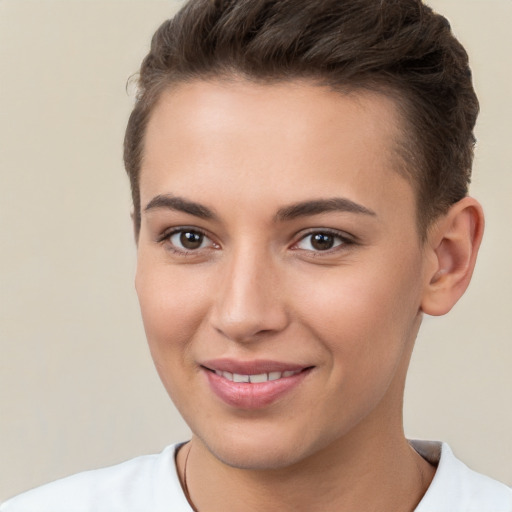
[[77, 385]]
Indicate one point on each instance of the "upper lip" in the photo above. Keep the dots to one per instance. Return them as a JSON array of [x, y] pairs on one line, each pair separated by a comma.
[[254, 367]]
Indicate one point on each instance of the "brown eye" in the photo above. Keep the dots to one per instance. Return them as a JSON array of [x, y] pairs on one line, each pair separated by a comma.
[[322, 241], [191, 240], [188, 240]]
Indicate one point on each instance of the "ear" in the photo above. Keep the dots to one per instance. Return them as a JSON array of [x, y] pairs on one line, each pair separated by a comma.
[[452, 244]]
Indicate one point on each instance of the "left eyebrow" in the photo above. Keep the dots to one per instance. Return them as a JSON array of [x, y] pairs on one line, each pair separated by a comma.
[[180, 204], [317, 206]]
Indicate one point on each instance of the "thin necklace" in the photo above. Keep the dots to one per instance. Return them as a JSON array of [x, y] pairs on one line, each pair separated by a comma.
[[185, 486]]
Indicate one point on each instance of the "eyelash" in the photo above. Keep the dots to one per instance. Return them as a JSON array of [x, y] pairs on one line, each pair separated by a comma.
[[165, 238], [344, 240]]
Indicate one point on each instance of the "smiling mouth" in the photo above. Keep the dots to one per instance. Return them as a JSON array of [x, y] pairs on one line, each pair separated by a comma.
[[256, 385], [253, 384], [256, 378]]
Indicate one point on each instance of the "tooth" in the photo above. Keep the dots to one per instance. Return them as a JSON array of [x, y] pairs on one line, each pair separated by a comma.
[[240, 378], [261, 377], [274, 375], [227, 375], [219, 373], [288, 373]]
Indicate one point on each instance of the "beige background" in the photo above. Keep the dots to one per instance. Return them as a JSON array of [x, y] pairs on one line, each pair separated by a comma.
[[77, 387]]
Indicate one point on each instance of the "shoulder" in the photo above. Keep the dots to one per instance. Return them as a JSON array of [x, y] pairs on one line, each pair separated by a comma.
[[145, 483], [456, 487]]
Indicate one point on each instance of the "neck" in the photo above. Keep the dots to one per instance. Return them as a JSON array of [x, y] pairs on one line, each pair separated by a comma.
[[386, 475]]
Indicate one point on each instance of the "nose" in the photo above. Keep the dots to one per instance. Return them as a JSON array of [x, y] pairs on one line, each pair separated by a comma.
[[249, 305]]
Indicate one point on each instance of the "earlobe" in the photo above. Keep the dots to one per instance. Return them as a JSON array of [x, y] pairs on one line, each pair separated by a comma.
[[453, 244]]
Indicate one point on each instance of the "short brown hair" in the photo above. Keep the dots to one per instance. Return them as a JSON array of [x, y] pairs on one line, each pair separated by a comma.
[[398, 47]]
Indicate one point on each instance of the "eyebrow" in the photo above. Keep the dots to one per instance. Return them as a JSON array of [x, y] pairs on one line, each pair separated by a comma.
[[180, 204], [293, 211], [317, 206]]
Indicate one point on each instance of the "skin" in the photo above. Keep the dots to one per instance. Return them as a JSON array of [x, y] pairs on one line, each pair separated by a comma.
[[257, 289]]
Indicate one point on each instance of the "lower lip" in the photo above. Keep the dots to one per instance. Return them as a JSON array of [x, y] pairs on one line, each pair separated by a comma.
[[243, 395]]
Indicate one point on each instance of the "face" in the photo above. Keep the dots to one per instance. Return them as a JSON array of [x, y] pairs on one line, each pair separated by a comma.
[[280, 270]]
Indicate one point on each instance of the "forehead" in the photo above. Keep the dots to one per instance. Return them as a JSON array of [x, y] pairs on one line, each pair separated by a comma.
[[261, 138], [210, 110]]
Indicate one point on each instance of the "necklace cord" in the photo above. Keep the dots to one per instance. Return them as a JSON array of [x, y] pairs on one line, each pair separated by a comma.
[[185, 484]]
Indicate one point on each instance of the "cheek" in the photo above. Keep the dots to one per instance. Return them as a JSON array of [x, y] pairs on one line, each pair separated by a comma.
[[172, 309], [364, 315]]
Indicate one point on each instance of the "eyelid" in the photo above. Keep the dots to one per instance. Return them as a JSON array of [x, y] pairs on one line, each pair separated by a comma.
[[168, 233], [346, 239]]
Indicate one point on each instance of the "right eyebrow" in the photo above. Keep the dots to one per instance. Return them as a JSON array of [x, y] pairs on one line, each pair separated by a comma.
[[170, 202], [318, 206]]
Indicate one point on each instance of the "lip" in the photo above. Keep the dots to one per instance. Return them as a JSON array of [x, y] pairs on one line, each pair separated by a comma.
[[251, 367], [257, 395]]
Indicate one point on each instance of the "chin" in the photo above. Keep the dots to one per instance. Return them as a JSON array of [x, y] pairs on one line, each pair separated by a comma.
[[262, 448], [256, 458]]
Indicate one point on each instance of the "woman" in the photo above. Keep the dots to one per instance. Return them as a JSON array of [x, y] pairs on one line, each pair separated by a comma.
[[299, 175]]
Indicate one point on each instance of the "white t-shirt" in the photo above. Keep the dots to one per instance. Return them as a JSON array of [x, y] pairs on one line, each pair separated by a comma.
[[150, 484]]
